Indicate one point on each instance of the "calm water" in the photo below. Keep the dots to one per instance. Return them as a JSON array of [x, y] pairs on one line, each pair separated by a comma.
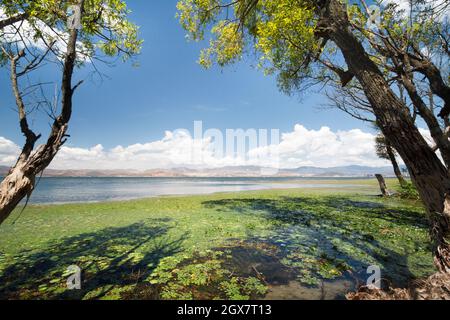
[[67, 190]]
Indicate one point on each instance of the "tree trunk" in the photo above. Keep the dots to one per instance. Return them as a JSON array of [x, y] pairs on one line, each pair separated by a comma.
[[19, 182], [427, 171], [14, 187], [383, 187], [395, 166]]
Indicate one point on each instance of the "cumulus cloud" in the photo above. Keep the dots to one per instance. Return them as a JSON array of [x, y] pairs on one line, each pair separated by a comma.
[[325, 148], [300, 147], [8, 151]]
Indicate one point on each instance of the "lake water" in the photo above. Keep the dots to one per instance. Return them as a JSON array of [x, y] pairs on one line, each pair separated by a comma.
[[70, 190]]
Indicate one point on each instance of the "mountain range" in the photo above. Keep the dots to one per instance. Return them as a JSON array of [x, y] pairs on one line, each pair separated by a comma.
[[238, 171]]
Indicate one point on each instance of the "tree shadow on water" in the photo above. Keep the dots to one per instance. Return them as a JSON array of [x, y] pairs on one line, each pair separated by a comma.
[[320, 235], [109, 259]]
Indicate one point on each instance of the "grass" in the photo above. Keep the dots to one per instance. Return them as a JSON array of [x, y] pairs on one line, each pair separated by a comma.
[[228, 246]]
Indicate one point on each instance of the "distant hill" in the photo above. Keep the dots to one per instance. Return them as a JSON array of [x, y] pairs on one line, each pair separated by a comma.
[[345, 171], [238, 171]]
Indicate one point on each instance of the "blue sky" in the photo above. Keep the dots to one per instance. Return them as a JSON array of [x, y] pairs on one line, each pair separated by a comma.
[[126, 120], [170, 90]]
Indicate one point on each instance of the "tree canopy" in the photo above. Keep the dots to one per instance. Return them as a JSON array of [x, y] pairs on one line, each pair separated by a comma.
[[105, 26], [284, 35]]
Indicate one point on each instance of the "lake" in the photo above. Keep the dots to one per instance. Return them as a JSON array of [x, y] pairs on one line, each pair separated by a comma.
[[76, 190]]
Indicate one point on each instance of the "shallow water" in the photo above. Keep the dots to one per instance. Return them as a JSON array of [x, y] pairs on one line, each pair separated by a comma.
[[282, 281], [76, 190], [294, 290]]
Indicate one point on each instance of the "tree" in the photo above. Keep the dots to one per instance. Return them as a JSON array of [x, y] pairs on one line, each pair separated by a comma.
[[411, 52], [296, 39], [396, 40], [104, 25]]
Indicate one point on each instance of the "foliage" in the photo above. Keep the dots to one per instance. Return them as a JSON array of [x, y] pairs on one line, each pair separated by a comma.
[[250, 286], [105, 25], [194, 247], [381, 147], [280, 32], [204, 277], [288, 40], [416, 28], [408, 191]]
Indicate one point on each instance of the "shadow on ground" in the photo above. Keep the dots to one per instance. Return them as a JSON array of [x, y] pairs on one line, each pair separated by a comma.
[[325, 238], [109, 259], [311, 248]]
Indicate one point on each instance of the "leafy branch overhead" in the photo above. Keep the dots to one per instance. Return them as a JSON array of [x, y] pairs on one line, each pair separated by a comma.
[[290, 38], [281, 33], [105, 25]]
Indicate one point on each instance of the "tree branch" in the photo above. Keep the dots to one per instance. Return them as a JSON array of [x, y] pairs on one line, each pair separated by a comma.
[[14, 19]]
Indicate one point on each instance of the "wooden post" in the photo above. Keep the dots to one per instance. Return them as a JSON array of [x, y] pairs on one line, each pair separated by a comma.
[[383, 186]]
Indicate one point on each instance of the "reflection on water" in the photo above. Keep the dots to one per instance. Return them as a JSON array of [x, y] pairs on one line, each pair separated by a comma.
[[68, 190]]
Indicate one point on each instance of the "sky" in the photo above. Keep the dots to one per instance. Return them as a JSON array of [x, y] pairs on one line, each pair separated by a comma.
[[127, 118]]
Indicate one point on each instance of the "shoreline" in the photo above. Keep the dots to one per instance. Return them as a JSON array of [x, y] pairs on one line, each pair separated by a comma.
[[333, 185]]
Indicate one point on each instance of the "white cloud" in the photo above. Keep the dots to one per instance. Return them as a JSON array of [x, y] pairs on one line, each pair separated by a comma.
[[301, 147], [8, 151], [325, 148]]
